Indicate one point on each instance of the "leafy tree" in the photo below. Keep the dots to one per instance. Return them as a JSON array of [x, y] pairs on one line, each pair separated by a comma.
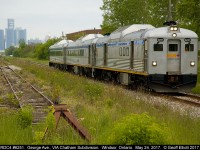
[[118, 13], [158, 11], [9, 51], [189, 14], [42, 50], [22, 44], [121, 13], [17, 53]]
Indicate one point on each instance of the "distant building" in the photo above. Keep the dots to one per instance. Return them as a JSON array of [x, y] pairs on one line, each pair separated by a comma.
[[10, 33], [9, 38], [34, 41], [11, 24], [14, 35], [76, 35], [19, 35], [2, 40]]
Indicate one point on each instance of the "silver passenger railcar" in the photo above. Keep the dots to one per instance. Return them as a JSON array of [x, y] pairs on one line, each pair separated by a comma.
[[172, 56], [57, 53], [142, 56]]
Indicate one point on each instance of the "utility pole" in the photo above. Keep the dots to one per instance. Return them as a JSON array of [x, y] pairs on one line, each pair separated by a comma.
[[170, 11]]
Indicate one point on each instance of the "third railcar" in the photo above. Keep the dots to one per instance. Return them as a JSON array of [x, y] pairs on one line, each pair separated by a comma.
[[162, 59]]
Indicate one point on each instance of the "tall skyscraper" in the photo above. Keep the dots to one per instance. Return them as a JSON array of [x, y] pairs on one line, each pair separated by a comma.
[[19, 35], [2, 40], [14, 36], [10, 33], [11, 24]]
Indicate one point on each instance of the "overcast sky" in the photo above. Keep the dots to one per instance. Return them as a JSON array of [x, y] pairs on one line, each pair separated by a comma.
[[51, 17]]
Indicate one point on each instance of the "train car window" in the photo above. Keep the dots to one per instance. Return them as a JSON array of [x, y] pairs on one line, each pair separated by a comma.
[[158, 47], [127, 51], [82, 52], [120, 51], [53, 53], [173, 47], [124, 51], [189, 47]]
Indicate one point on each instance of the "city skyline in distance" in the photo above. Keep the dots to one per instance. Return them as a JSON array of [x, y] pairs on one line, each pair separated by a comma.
[[12, 36], [50, 17]]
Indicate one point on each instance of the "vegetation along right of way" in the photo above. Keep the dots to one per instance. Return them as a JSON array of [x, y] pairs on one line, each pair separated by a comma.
[[105, 110]]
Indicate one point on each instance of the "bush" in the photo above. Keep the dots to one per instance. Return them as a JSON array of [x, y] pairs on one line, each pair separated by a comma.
[[93, 91], [50, 120], [25, 116], [55, 94], [138, 130]]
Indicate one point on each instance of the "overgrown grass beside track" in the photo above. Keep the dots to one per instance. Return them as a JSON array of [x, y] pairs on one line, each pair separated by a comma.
[[10, 131], [99, 106]]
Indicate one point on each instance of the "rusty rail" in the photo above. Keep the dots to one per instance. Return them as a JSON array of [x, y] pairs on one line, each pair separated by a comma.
[[47, 99], [61, 110], [11, 87]]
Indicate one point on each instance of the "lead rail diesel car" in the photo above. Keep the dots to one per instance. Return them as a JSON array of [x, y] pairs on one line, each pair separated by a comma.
[[161, 59]]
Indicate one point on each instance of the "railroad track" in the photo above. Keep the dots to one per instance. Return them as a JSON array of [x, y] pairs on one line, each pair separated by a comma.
[[189, 99], [37, 63], [27, 94], [4, 90]]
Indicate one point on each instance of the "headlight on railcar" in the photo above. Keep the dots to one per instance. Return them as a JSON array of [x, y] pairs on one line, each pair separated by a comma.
[[154, 63], [192, 63], [173, 28], [174, 35]]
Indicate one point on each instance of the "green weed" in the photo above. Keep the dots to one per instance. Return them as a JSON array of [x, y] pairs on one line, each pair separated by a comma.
[[138, 130], [25, 117], [10, 131]]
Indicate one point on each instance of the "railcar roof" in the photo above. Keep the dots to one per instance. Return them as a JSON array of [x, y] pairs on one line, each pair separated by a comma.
[[121, 32], [104, 39], [61, 43], [163, 32], [134, 35], [89, 37]]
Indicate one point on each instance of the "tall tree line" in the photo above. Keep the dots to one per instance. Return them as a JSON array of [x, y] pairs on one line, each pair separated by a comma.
[[117, 13]]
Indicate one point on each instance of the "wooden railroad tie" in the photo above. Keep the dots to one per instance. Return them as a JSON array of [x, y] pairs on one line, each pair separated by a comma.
[[62, 111]]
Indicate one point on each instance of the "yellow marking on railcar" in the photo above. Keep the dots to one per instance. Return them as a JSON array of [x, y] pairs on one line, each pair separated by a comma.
[[171, 55]]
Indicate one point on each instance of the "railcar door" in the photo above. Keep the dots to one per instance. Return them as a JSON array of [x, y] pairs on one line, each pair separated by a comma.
[[173, 56], [64, 55], [93, 55], [89, 55], [105, 54], [132, 54]]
